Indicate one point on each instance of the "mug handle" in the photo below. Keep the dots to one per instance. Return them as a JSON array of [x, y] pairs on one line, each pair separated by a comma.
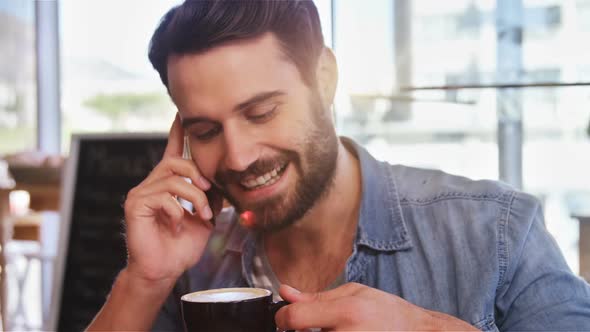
[[274, 307]]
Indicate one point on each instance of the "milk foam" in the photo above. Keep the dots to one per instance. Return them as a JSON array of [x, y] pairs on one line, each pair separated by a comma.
[[226, 295]]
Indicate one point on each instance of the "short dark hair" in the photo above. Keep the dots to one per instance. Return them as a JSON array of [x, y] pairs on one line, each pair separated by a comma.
[[198, 25]]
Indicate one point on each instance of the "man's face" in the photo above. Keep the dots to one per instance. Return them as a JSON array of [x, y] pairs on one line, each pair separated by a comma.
[[255, 129]]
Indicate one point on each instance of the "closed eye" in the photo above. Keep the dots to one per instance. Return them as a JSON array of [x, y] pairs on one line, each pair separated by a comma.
[[205, 132], [262, 117]]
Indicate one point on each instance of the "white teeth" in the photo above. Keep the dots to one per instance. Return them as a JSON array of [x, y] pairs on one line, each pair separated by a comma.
[[265, 179]]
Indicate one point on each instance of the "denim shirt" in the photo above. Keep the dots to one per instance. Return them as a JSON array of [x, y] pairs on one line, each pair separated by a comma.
[[476, 250]]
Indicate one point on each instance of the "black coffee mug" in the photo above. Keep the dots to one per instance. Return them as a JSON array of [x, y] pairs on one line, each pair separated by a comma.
[[230, 309]]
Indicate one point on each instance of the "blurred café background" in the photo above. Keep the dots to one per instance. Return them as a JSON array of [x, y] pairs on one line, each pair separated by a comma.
[[489, 89]]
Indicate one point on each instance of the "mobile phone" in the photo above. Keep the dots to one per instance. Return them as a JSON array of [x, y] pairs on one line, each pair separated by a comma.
[[186, 154], [214, 196]]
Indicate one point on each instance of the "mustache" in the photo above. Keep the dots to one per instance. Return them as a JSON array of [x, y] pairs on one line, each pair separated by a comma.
[[257, 168]]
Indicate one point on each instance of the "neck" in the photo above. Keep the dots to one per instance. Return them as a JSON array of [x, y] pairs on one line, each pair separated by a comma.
[[329, 227]]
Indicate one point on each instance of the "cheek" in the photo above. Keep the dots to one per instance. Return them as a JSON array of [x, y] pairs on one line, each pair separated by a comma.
[[292, 128], [207, 162]]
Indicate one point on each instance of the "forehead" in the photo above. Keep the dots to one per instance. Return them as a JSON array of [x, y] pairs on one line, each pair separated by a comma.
[[228, 74]]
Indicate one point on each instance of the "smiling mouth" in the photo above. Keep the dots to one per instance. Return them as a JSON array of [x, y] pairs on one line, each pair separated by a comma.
[[265, 179]]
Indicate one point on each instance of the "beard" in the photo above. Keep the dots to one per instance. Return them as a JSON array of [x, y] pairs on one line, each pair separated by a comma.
[[315, 167]]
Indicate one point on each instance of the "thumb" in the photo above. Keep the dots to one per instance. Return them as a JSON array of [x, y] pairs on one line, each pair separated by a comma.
[[290, 294], [293, 295]]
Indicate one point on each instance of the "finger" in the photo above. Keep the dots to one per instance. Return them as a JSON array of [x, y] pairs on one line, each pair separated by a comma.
[[176, 185], [308, 315], [182, 167], [194, 222], [175, 144], [167, 205], [293, 295]]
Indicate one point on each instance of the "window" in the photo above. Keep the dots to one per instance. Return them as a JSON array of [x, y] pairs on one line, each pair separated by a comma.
[[108, 83], [364, 48], [583, 10], [541, 21], [440, 43], [325, 11], [455, 43], [17, 76]]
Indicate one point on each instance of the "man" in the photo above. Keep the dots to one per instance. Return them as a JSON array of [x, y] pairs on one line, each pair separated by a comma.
[[352, 243]]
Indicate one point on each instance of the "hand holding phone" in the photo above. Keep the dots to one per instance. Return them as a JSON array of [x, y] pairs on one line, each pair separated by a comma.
[[163, 237]]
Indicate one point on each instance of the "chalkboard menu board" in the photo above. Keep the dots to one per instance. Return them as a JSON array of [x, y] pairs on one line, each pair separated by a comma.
[[100, 172]]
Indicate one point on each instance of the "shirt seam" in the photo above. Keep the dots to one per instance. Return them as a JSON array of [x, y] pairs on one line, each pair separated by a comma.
[[393, 198], [498, 198], [370, 237], [503, 250], [486, 323]]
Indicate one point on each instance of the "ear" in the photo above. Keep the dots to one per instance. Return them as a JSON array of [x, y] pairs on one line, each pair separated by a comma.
[[327, 76]]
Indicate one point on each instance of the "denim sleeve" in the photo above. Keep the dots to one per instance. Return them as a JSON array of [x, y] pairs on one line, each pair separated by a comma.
[[169, 318], [537, 290]]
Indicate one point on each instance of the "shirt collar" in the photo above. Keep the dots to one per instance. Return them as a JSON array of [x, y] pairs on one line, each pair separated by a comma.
[[381, 224]]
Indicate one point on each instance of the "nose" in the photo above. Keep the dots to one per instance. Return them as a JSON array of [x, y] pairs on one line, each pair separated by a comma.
[[240, 149]]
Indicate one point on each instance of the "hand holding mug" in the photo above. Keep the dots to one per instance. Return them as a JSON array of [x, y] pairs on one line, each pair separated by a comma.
[[356, 307]]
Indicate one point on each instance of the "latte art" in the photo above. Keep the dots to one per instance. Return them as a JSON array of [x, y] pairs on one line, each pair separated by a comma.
[[226, 295]]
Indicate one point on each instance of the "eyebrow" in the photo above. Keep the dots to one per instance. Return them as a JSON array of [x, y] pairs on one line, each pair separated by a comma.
[[256, 99]]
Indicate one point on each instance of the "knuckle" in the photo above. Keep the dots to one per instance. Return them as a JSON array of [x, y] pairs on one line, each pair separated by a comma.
[[165, 165], [174, 207], [354, 287], [177, 212], [129, 203], [166, 162], [159, 166], [319, 296], [175, 182], [194, 171], [132, 193], [200, 198]]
